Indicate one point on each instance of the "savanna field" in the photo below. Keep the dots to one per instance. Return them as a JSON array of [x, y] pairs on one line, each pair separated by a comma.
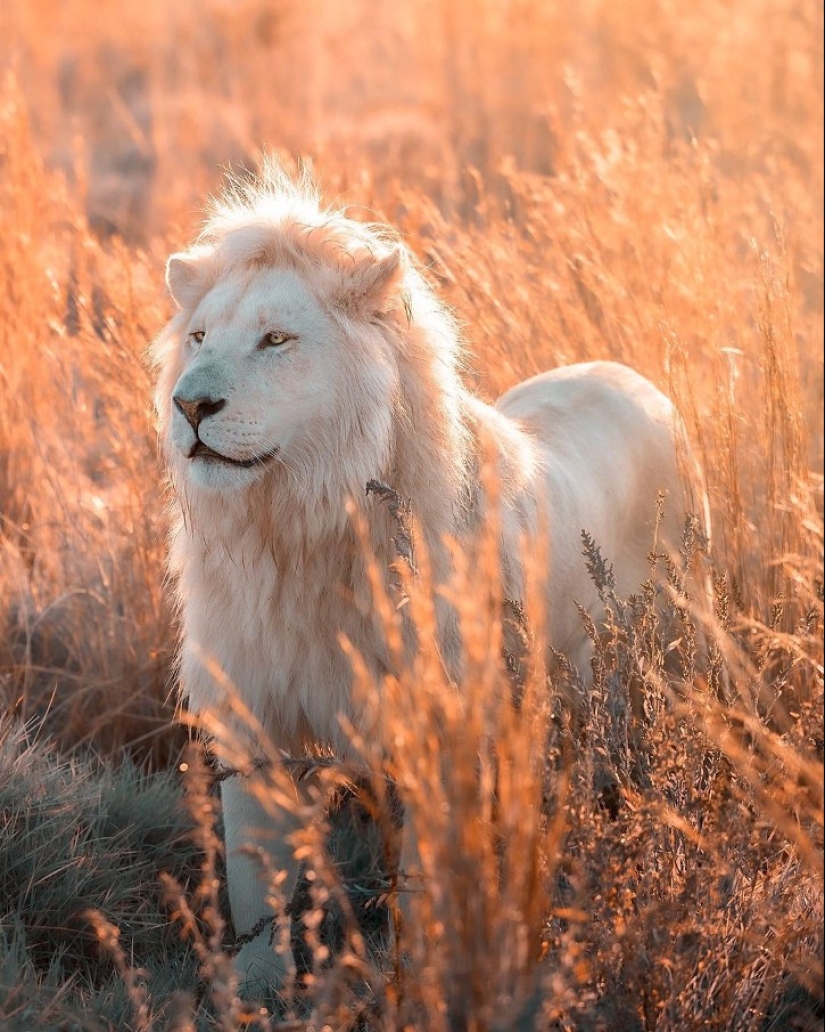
[[639, 182]]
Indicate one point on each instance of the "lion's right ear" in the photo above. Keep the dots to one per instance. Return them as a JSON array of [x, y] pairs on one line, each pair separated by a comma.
[[188, 276], [368, 281]]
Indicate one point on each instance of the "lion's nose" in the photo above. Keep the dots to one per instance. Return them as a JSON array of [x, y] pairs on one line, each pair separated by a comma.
[[197, 409]]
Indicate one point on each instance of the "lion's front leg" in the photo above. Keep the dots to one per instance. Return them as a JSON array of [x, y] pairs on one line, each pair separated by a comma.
[[252, 824]]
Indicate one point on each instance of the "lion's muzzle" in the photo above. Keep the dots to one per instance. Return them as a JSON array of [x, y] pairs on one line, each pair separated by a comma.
[[195, 410]]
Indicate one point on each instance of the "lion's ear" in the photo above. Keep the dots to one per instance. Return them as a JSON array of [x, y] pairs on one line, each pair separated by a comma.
[[188, 276], [366, 288]]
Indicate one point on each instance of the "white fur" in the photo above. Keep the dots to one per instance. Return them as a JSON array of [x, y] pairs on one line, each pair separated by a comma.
[[267, 563]]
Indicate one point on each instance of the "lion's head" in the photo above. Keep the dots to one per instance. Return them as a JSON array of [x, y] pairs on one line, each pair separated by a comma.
[[308, 356], [267, 369], [282, 356]]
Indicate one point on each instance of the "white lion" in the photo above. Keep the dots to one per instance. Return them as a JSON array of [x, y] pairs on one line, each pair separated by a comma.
[[308, 356]]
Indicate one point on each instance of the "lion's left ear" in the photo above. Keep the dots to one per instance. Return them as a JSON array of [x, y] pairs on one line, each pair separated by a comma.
[[365, 288], [189, 275]]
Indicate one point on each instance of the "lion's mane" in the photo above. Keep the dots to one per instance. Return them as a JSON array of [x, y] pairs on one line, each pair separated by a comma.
[[292, 524]]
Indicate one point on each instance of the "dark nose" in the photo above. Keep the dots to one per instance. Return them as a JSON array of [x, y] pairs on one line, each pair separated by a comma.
[[197, 409]]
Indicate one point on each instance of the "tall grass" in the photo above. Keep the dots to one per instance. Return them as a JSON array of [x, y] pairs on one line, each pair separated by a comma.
[[582, 182]]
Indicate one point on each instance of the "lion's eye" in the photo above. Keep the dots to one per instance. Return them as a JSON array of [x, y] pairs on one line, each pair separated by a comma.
[[274, 339], [197, 336]]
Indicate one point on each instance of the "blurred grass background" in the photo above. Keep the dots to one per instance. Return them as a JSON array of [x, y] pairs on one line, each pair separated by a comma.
[[641, 182]]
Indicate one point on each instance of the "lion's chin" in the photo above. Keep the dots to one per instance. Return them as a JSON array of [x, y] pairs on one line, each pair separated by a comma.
[[209, 470], [203, 453]]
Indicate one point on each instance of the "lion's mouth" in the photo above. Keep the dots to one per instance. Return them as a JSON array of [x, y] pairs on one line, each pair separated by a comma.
[[200, 450]]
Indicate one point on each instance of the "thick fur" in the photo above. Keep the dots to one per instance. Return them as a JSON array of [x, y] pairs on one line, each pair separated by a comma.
[[268, 566]]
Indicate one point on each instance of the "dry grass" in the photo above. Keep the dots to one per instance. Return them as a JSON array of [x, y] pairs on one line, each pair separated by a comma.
[[583, 181]]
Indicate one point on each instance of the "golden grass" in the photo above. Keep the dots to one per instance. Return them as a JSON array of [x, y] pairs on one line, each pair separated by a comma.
[[583, 181]]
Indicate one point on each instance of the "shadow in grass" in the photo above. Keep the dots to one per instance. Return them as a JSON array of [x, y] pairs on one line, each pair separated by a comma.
[[74, 837]]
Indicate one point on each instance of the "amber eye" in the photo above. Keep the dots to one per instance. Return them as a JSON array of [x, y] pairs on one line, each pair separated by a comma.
[[274, 339], [197, 336]]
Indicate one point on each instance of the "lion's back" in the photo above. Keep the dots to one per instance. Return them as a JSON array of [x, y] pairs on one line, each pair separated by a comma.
[[608, 441]]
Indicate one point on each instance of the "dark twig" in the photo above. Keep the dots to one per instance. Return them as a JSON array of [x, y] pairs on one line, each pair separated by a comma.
[[401, 512]]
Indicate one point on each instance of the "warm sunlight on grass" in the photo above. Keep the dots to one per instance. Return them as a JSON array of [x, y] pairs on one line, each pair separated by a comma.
[[624, 181]]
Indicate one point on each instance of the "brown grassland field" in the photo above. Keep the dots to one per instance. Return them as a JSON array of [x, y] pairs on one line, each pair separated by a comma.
[[639, 181]]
